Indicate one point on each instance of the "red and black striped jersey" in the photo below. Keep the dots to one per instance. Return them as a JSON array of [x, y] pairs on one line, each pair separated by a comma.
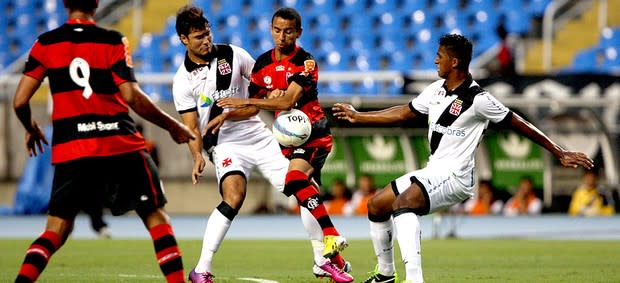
[[269, 74], [85, 65]]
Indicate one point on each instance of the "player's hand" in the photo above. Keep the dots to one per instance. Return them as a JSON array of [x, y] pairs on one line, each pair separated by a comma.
[[214, 124], [181, 133], [230, 102], [199, 165], [344, 111], [276, 93], [574, 159], [35, 140]]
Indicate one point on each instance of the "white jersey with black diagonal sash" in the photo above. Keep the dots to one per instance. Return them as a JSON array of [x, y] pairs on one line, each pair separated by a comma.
[[197, 88], [456, 120]]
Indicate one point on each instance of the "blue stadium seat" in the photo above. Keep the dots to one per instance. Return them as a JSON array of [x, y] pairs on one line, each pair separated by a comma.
[[355, 7], [409, 6], [610, 37], [612, 58], [383, 6], [517, 22], [440, 6], [588, 60], [536, 7]]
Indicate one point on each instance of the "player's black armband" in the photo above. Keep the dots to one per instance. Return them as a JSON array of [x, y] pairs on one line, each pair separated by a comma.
[[301, 80], [506, 122]]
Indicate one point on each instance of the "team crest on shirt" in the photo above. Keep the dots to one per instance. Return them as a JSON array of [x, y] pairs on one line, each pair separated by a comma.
[[456, 107], [309, 66], [223, 67]]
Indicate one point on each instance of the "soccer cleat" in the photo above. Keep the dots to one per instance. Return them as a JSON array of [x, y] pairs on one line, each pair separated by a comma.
[[335, 273], [333, 245], [195, 277], [376, 277], [320, 273]]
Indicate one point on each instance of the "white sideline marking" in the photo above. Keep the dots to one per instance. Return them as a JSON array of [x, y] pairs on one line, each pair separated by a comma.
[[257, 280]]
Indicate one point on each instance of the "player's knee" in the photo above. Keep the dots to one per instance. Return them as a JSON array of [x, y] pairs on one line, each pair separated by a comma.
[[295, 181], [378, 211], [227, 210]]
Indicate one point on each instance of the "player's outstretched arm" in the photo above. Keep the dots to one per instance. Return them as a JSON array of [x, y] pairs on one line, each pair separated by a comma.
[[142, 104], [392, 115], [21, 103], [567, 158], [283, 101]]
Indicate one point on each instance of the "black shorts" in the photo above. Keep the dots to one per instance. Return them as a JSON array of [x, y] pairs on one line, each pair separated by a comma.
[[121, 182], [316, 156]]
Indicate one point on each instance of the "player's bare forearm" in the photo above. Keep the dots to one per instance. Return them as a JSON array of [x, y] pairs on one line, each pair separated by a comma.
[[21, 102], [567, 158], [144, 106], [281, 102], [242, 113], [386, 116], [525, 128]]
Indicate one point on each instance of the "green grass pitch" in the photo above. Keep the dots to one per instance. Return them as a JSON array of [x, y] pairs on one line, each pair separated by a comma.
[[504, 260]]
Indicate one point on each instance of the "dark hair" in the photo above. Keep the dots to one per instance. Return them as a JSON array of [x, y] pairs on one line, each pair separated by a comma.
[[458, 46], [82, 5], [288, 13], [190, 18]]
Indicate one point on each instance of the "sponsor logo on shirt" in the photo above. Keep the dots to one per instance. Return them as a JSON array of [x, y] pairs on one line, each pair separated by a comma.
[[447, 130], [280, 68], [97, 126]]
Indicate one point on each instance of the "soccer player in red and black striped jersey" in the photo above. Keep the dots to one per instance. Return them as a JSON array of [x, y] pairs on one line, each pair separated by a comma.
[[287, 76], [99, 155]]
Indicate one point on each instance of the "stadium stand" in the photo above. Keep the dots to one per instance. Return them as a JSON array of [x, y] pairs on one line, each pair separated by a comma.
[[396, 35]]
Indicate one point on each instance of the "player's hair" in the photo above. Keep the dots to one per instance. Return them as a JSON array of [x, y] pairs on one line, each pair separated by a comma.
[[288, 13], [81, 5], [458, 46], [190, 18]]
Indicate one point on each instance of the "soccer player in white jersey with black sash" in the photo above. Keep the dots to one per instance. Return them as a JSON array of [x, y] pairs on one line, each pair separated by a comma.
[[235, 141], [458, 111]]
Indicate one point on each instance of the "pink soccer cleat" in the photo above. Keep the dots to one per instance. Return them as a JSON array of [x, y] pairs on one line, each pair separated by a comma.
[[335, 273], [195, 277]]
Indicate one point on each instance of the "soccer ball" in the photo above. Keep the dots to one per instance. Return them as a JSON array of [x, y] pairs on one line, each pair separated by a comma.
[[292, 128]]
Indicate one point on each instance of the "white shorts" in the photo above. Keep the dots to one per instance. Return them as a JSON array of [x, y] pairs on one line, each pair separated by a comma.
[[443, 189], [262, 153]]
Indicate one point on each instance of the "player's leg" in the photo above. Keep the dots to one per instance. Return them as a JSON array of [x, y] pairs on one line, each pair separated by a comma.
[[66, 195], [41, 250], [167, 251], [138, 187], [424, 192], [231, 172], [408, 205], [274, 167], [381, 234]]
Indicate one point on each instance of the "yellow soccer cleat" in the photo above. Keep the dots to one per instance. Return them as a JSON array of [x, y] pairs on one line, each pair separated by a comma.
[[333, 245]]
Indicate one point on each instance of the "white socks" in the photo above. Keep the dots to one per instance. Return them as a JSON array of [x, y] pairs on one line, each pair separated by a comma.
[[409, 234], [381, 234], [315, 233], [216, 229]]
